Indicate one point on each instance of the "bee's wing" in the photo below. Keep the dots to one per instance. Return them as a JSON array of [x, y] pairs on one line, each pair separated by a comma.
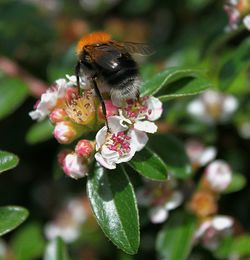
[[137, 48], [106, 56]]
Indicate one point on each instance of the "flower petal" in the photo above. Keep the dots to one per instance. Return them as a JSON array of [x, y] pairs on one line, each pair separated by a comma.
[[146, 126], [158, 215], [104, 162], [155, 107], [196, 108], [222, 222], [175, 201], [128, 156], [116, 124], [207, 155], [101, 137], [138, 139], [246, 22]]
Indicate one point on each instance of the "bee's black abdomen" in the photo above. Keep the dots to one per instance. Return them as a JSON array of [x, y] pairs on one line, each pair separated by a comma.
[[123, 74]]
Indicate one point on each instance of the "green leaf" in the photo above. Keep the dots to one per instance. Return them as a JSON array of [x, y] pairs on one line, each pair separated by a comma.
[[11, 217], [7, 161], [28, 243], [113, 202], [172, 152], [174, 241], [149, 164], [234, 246], [166, 77], [237, 61], [185, 87], [39, 132], [56, 250], [238, 183], [13, 94]]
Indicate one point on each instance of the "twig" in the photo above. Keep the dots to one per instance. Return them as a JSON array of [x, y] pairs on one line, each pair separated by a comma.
[[10, 68]]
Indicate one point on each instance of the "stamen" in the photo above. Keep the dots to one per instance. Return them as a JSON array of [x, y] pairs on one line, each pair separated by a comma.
[[119, 142], [137, 109], [80, 108]]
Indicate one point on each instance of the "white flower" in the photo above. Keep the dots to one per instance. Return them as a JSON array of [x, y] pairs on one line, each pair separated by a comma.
[[212, 107], [141, 114], [198, 154], [49, 100], [74, 166], [219, 175], [68, 222], [77, 210], [211, 231], [246, 21], [160, 198], [68, 233], [160, 213], [117, 146]]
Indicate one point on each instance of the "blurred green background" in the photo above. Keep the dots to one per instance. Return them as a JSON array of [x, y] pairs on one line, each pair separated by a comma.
[[37, 41]]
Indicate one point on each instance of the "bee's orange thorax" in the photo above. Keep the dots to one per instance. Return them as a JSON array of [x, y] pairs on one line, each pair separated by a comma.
[[92, 38]]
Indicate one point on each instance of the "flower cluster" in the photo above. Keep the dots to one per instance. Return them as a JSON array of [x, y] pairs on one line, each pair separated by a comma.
[[238, 10], [160, 198], [203, 203], [75, 114], [198, 154], [69, 220], [216, 179], [212, 230], [212, 107]]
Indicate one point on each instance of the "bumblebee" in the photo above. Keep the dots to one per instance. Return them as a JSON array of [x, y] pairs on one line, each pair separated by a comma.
[[104, 60]]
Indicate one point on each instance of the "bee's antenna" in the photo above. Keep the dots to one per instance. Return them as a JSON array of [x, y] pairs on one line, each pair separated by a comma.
[[99, 95]]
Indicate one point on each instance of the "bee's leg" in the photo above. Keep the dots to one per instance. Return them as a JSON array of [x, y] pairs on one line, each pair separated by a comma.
[[138, 96], [77, 73], [99, 95]]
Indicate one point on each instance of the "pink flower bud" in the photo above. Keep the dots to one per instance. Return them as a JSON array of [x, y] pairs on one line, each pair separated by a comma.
[[65, 132], [74, 166], [218, 174], [84, 148], [110, 109], [58, 115], [61, 156]]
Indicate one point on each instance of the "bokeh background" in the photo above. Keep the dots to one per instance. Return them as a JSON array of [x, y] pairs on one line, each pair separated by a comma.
[[37, 42]]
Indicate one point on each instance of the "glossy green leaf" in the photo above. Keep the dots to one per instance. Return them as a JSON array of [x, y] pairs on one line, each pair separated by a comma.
[[149, 164], [11, 217], [13, 94], [172, 152], [28, 242], [166, 77], [39, 132], [174, 241], [185, 87], [238, 245], [7, 161], [56, 250], [238, 183], [113, 202]]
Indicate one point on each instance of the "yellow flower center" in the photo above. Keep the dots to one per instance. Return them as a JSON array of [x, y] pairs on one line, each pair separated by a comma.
[[81, 109]]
